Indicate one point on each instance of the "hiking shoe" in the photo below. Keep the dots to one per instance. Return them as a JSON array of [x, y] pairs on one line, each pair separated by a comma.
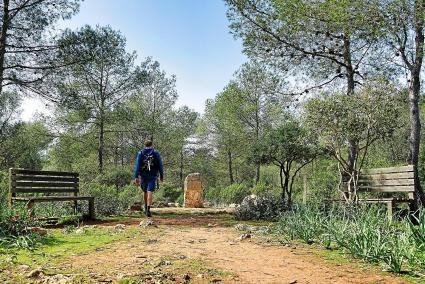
[[148, 213]]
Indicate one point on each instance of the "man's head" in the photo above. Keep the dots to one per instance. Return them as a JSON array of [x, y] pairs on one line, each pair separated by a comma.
[[148, 143]]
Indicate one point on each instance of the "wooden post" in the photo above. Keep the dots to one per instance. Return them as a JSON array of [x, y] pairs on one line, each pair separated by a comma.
[[305, 189], [91, 209], [77, 189]]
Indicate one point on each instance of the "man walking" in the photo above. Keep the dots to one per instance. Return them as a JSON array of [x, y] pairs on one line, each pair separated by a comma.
[[148, 166]]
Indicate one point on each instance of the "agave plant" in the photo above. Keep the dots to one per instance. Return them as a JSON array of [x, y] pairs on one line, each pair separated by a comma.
[[417, 230]]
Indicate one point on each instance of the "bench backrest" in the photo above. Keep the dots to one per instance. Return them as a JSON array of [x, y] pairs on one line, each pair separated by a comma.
[[30, 181], [393, 180]]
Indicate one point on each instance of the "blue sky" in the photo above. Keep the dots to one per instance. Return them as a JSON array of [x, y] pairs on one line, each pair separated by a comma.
[[190, 39]]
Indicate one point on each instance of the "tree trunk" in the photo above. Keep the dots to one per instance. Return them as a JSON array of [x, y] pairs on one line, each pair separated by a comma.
[[414, 92], [181, 169], [257, 139], [352, 144], [284, 183], [349, 66], [230, 166], [305, 189], [116, 156], [3, 40], [121, 149], [288, 202], [101, 143], [415, 132], [352, 151], [257, 172]]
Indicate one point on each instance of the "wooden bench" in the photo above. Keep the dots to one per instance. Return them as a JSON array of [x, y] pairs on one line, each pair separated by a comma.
[[395, 180], [45, 186]]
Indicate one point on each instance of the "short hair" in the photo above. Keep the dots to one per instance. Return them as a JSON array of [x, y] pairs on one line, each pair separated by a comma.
[[148, 143]]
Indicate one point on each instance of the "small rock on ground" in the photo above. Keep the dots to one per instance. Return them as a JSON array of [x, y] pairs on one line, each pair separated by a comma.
[[23, 267], [120, 227], [146, 223], [35, 273], [245, 236], [59, 279], [186, 277]]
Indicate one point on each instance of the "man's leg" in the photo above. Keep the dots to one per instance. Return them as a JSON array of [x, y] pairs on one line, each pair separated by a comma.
[[144, 187], [146, 200], [150, 190], [149, 199]]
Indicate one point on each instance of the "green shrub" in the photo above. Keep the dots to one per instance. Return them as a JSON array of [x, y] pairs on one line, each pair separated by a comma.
[[15, 229], [180, 199], [108, 201], [118, 177], [212, 195], [71, 219], [261, 188], [367, 241], [398, 250], [14, 223], [234, 193], [168, 193], [362, 231], [417, 230], [322, 180], [303, 223], [4, 189]]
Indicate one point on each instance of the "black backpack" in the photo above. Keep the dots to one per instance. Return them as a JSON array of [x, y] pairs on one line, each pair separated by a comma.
[[148, 162]]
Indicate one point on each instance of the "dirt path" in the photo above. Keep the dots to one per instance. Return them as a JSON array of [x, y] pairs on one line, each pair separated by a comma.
[[216, 248]]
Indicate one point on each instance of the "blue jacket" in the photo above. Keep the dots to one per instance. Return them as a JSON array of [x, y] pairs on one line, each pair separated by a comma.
[[153, 173]]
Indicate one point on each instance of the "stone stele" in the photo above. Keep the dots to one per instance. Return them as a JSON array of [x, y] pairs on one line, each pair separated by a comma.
[[193, 191]]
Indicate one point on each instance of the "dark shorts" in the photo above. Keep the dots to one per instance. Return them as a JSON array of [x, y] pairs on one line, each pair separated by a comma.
[[148, 184]]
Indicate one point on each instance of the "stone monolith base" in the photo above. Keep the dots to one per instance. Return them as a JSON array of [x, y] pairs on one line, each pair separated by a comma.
[[193, 191]]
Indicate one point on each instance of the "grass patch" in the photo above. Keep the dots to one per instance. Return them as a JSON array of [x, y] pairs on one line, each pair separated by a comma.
[[63, 243], [171, 269], [362, 233], [198, 266], [338, 257]]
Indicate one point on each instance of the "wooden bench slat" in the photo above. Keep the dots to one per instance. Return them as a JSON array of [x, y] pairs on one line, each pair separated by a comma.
[[42, 173], [45, 178], [406, 175], [44, 184], [381, 182], [52, 198], [394, 189], [401, 169], [374, 200], [45, 190]]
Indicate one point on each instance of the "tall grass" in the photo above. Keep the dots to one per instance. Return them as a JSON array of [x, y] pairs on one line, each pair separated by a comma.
[[363, 232], [14, 224], [15, 229]]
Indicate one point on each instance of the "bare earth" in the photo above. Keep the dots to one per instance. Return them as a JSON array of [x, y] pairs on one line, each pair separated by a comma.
[[251, 260]]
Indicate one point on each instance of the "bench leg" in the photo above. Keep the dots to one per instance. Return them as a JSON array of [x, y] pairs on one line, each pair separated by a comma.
[[390, 207], [75, 206], [91, 209]]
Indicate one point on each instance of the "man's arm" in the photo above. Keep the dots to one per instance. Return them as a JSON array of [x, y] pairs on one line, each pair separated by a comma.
[[136, 168], [161, 167]]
